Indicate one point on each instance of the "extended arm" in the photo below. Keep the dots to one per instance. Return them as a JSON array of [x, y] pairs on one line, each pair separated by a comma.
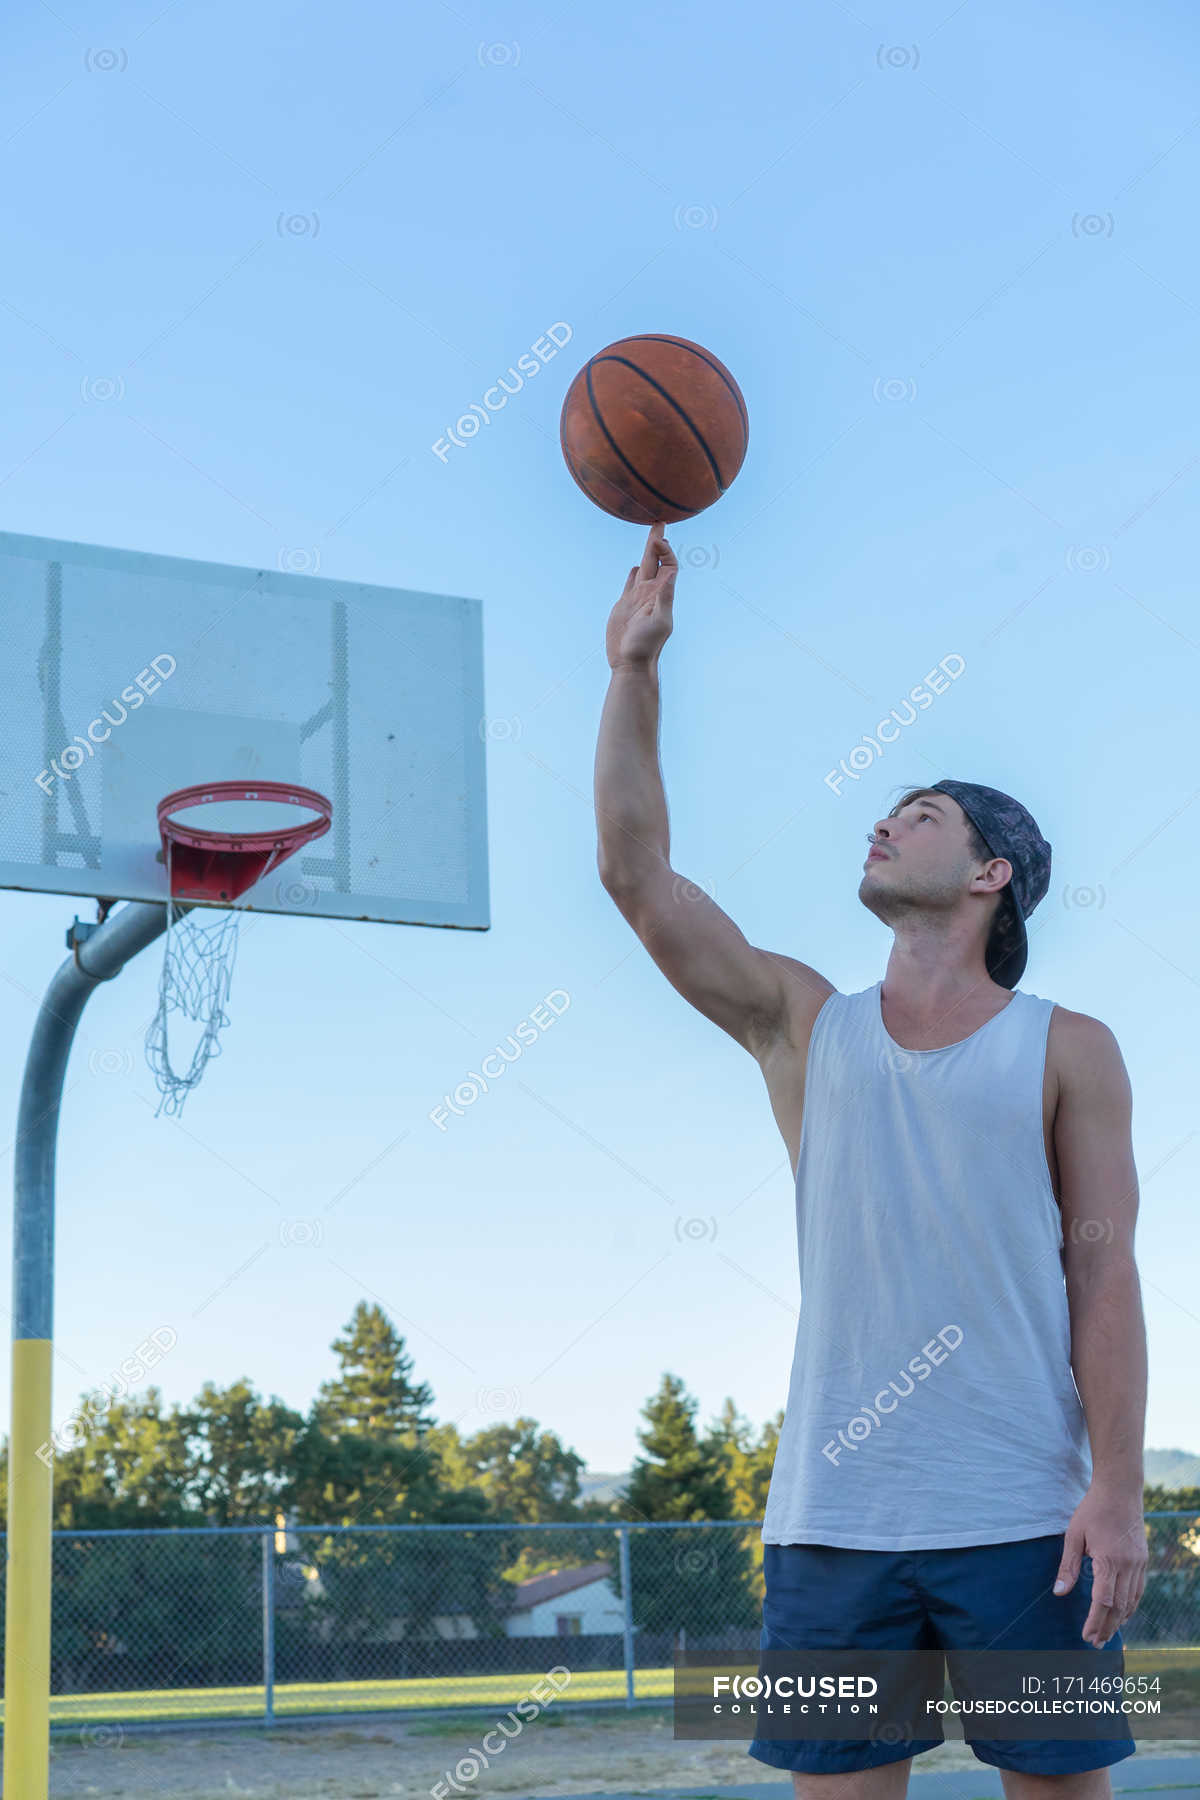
[[753, 994], [1093, 1145]]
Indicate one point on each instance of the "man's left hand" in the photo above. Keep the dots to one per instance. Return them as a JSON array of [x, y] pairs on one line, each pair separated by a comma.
[[1108, 1526]]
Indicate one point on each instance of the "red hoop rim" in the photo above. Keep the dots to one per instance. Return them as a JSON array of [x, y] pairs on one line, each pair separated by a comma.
[[289, 839]]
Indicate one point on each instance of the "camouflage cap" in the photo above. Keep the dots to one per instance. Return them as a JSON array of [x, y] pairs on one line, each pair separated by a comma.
[[1011, 831]]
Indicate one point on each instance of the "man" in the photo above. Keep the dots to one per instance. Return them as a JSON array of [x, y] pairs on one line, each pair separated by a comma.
[[961, 1458]]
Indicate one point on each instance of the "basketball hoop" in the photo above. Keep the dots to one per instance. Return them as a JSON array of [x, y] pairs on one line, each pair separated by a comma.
[[212, 867]]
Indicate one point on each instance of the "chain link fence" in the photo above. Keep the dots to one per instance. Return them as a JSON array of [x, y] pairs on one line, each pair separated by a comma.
[[330, 1621]]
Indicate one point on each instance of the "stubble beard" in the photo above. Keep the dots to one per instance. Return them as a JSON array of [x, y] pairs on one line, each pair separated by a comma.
[[891, 904]]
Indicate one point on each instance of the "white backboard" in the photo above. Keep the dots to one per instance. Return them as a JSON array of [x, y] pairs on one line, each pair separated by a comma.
[[130, 675]]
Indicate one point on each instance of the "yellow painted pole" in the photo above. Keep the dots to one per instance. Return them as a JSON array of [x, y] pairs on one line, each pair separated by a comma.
[[27, 1597], [99, 952]]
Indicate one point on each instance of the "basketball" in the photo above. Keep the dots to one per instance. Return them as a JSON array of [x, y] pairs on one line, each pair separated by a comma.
[[654, 427]]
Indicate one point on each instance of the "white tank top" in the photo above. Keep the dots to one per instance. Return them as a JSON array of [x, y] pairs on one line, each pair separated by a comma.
[[931, 1401]]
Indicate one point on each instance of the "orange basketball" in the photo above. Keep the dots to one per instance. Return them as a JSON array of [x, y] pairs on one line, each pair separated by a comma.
[[654, 427]]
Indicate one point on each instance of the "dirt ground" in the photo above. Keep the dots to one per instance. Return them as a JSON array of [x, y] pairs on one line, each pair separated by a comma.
[[378, 1760]]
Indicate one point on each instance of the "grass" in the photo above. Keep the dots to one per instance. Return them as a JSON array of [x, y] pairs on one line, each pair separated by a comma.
[[296, 1699], [450, 1694]]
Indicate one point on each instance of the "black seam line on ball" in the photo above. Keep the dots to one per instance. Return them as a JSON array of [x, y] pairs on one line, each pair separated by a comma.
[[615, 447], [650, 337], [618, 452], [671, 401]]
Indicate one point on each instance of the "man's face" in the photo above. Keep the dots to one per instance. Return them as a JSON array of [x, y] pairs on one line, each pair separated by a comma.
[[920, 860]]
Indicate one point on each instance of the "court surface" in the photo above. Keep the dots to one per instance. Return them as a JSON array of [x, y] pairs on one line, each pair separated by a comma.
[[614, 1757], [1141, 1774]]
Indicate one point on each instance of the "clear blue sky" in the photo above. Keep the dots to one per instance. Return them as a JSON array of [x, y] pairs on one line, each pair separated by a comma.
[[257, 260]]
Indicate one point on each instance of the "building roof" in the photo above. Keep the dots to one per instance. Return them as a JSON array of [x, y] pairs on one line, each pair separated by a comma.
[[559, 1581]]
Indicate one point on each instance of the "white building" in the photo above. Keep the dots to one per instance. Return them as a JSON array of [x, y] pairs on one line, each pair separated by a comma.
[[566, 1603]]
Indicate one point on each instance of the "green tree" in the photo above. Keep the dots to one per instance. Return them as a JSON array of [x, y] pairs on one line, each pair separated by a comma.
[[520, 1472], [370, 1454], [1161, 1499], [366, 1479], [523, 1472], [746, 1461], [1173, 1543], [694, 1581], [124, 1463], [1170, 1609], [374, 1392], [364, 1456], [242, 1453], [679, 1477], [455, 1468]]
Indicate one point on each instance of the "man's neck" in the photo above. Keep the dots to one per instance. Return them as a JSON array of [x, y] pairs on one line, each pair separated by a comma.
[[929, 988]]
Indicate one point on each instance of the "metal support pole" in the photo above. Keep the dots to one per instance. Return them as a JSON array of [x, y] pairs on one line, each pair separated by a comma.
[[98, 955], [627, 1594], [268, 1600]]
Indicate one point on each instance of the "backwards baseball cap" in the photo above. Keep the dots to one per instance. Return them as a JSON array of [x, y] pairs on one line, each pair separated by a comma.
[[1011, 831]]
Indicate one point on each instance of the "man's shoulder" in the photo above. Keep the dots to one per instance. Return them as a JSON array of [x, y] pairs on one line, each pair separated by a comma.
[[1082, 1045]]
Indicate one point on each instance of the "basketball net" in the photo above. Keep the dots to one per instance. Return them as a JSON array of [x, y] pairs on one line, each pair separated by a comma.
[[199, 952], [201, 941]]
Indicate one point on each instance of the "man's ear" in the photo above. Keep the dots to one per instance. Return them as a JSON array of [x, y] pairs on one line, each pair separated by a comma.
[[993, 876]]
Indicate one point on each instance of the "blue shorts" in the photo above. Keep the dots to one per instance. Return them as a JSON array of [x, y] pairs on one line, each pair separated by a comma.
[[993, 1596]]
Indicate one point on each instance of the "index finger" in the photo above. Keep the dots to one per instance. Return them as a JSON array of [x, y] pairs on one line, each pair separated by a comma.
[[657, 550]]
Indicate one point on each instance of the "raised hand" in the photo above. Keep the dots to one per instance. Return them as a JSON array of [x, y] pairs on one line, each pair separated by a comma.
[[640, 622]]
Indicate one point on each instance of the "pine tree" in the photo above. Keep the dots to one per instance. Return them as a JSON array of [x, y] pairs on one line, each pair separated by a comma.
[[679, 1477], [695, 1582], [746, 1463], [373, 1395], [364, 1455]]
